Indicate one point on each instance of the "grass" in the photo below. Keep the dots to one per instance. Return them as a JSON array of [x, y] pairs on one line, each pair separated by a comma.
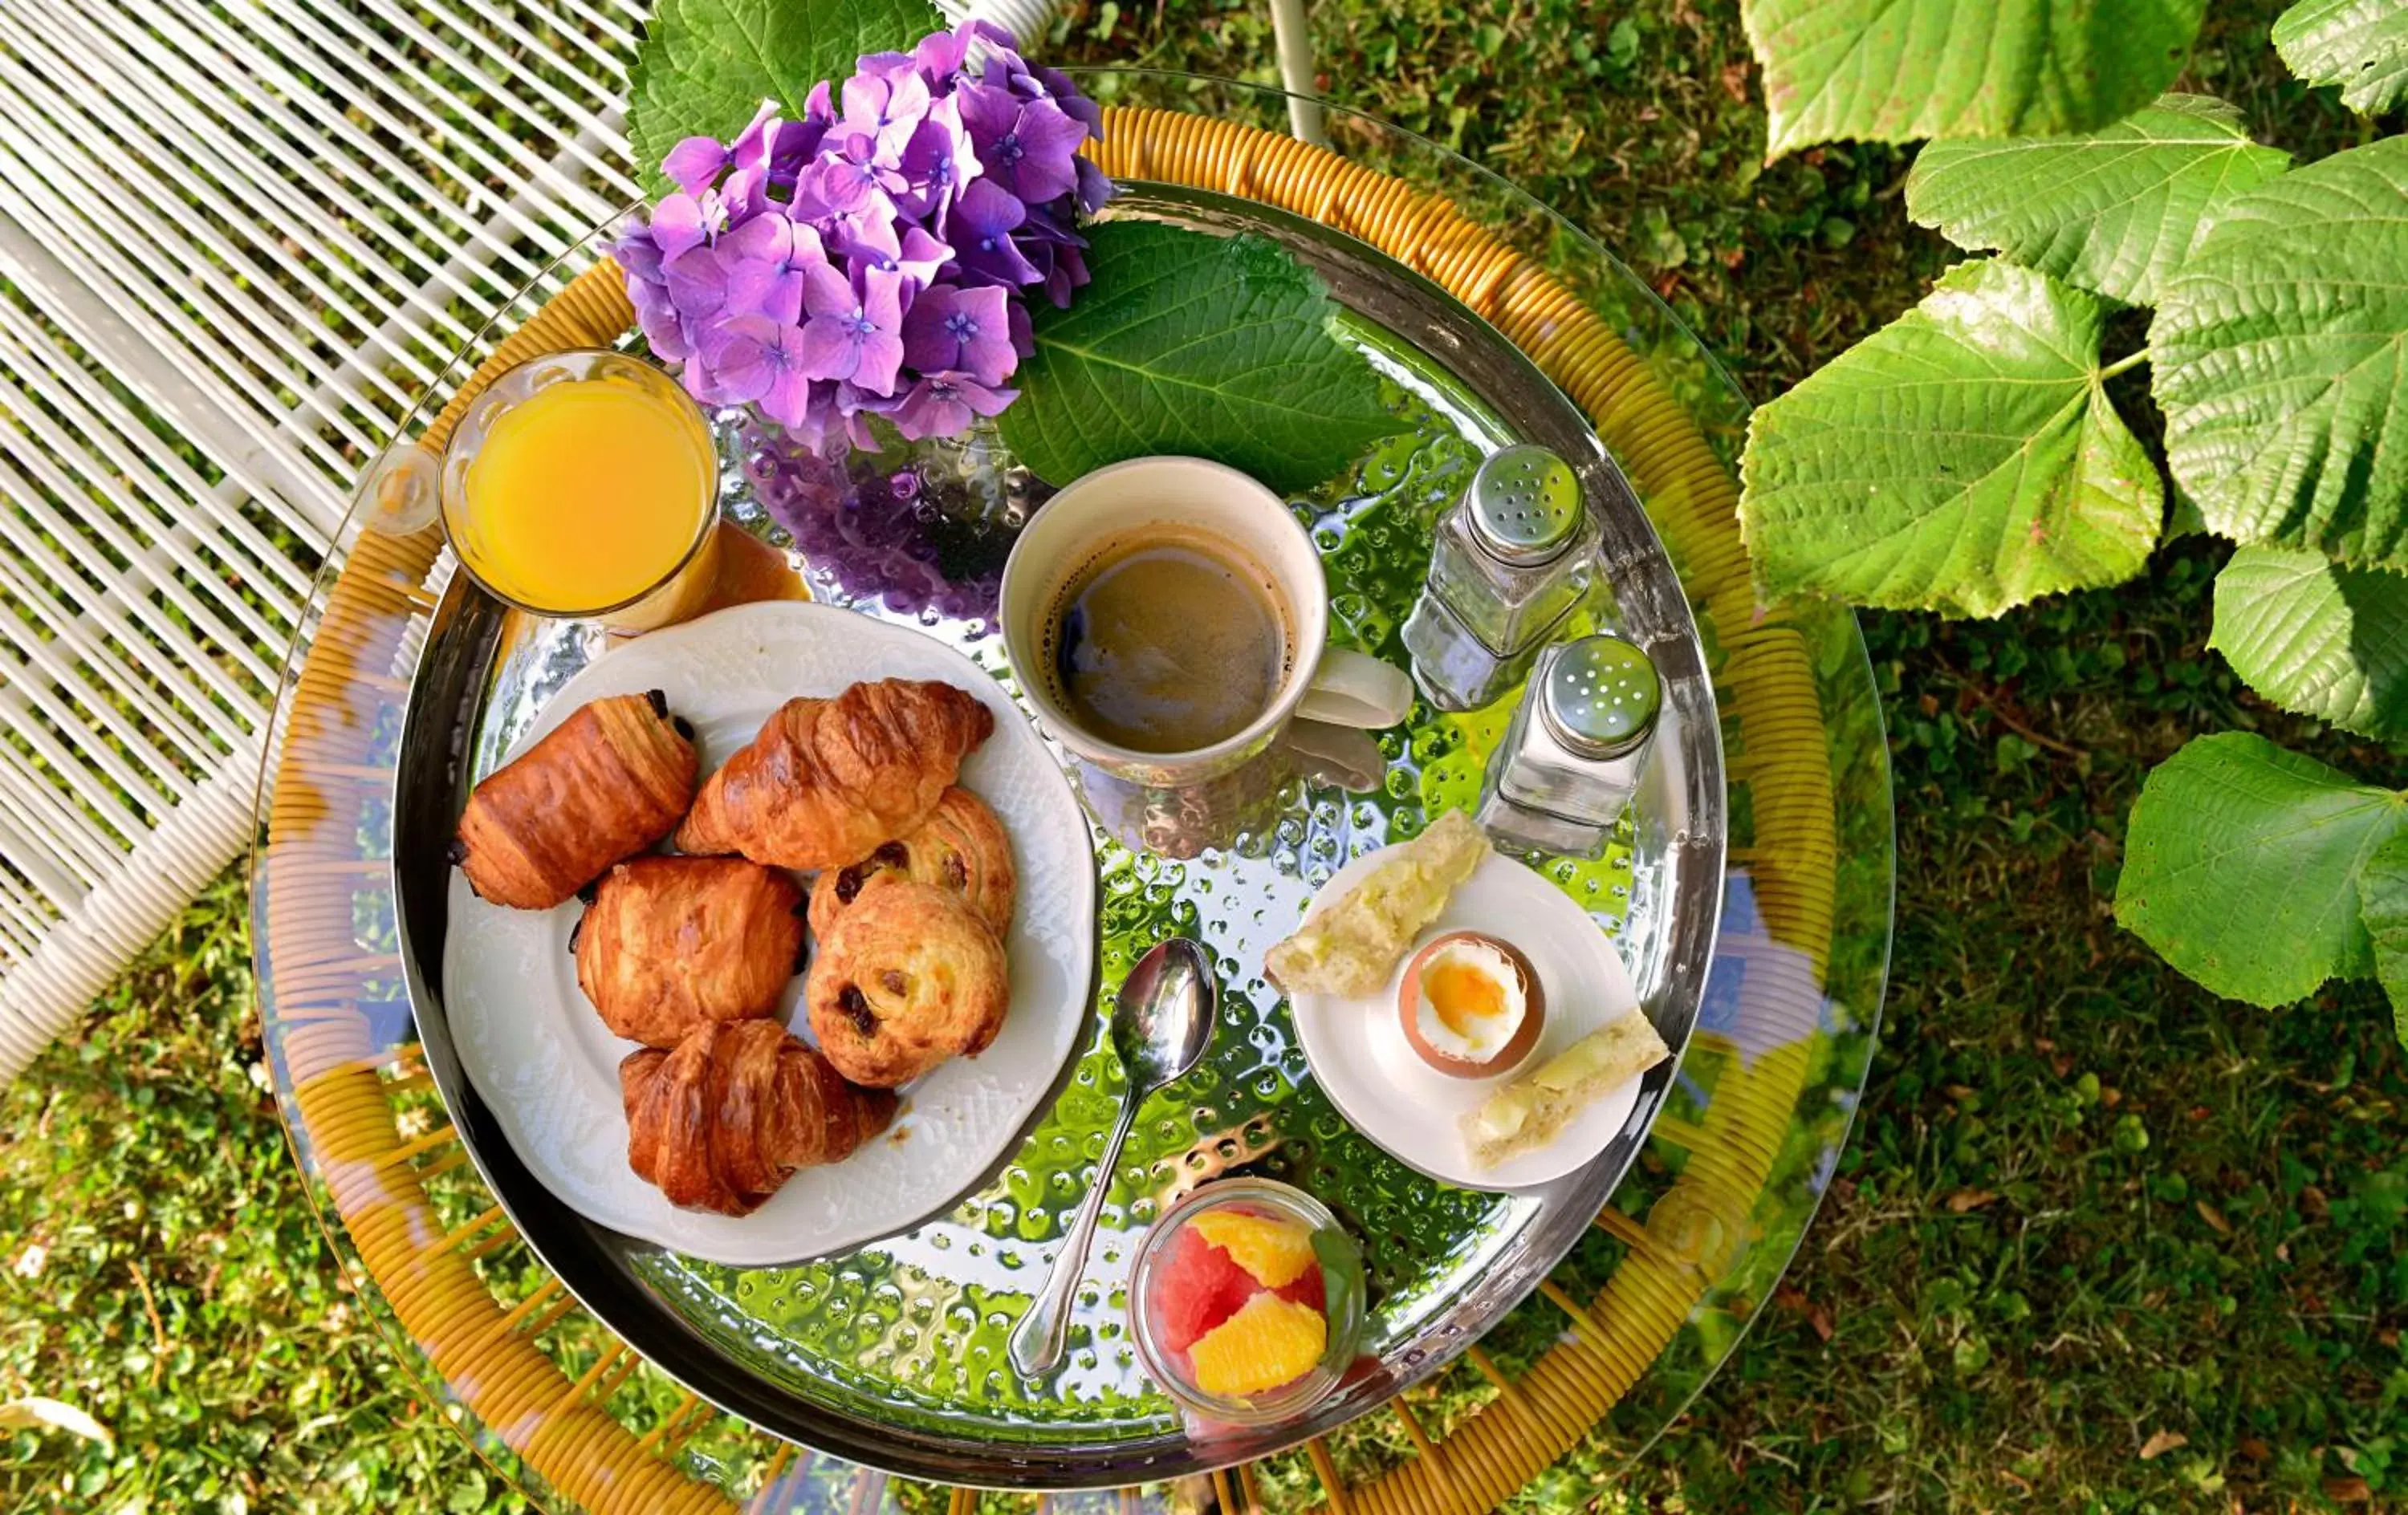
[[2101, 1242]]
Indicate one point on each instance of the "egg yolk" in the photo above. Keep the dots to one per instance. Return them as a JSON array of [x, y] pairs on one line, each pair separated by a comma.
[[1462, 995]]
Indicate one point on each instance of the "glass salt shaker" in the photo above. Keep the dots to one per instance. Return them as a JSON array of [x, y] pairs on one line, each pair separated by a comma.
[[1510, 561], [1577, 746]]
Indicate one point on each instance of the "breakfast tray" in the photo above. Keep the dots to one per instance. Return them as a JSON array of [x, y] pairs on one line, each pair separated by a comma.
[[407, 687]]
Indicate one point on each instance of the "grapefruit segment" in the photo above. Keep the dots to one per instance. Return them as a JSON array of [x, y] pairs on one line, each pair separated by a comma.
[[1197, 1287], [1308, 1290]]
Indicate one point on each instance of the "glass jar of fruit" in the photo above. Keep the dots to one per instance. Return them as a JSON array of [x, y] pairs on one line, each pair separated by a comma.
[[1246, 1300]]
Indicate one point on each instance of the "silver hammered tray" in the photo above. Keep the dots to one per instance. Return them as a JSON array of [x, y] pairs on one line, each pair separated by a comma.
[[892, 1355]]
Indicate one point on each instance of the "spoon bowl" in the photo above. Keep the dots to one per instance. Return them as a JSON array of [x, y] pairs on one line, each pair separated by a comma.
[[1162, 1021]]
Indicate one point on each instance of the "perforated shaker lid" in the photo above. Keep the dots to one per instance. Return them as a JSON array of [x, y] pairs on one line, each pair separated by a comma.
[[1601, 696], [1526, 504]]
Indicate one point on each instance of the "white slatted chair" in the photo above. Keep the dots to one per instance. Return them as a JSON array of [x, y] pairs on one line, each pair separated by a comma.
[[236, 240]]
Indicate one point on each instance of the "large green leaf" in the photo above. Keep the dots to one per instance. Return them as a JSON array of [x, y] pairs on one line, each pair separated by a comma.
[[1219, 346], [1895, 70], [706, 66], [2277, 353], [2361, 45], [2112, 210], [2383, 904], [1963, 458], [2317, 638], [2241, 867]]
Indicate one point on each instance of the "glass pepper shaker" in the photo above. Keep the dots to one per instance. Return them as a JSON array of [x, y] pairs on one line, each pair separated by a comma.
[[1510, 561], [1576, 750]]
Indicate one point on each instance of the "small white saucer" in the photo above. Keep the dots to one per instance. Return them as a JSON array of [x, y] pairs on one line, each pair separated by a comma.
[[1357, 1051]]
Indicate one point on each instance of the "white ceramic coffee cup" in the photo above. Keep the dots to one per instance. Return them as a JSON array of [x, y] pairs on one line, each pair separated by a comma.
[[1181, 495]]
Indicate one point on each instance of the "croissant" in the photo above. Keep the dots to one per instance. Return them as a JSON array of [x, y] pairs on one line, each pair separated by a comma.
[[609, 782], [961, 847], [670, 943], [721, 1121], [827, 781]]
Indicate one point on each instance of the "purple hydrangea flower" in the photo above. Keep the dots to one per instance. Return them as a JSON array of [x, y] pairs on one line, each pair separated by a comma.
[[964, 330], [944, 404], [873, 257], [937, 162], [1028, 146], [980, 230], [767, 258], [697, 282], [763, 361], [886, 108], [1035, 81], [637, 253], [1095, 187], [680, 222], [941, 56], [694, 165], [663, 328], [856, 330]]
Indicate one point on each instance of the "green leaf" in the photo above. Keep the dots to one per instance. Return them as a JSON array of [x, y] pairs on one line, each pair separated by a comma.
[[2276, 355], [2317, 638], [1895, 70], [1341, 1274], [2383, 904], [2241, 867], [1963, 458], [2112, 210], [1210, 346], [706, 66], [2361, 45]]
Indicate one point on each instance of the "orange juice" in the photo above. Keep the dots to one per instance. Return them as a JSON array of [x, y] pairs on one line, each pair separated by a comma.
[[586, 494]]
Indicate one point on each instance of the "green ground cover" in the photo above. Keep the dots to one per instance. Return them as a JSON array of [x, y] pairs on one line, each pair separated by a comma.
[[2100, 1242]]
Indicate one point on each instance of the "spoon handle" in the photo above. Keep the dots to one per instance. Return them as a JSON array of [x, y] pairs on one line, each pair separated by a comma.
[[1038, 1341]]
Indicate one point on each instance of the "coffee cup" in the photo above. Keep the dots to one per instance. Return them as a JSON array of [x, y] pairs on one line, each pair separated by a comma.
[[1166, 618]]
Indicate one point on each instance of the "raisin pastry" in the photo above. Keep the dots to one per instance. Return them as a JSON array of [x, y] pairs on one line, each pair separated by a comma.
[[608, 782], [721, 1121], [907, 977], [672, 943], [827, 781], [961, 847]]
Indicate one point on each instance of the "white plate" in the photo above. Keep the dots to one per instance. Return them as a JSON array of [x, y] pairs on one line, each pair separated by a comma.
[[543, 1061], [1357, 1051]]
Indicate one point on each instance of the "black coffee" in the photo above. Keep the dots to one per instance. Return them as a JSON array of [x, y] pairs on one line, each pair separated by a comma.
[[1168, 645]]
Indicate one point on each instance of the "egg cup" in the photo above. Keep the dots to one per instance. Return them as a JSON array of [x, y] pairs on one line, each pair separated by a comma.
[[1515, 1047]]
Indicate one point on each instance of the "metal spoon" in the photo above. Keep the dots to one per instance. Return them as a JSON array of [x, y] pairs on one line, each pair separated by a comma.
[[1161, 1022]]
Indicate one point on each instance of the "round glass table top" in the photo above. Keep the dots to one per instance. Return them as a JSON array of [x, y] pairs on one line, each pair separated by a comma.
[[410, 685]]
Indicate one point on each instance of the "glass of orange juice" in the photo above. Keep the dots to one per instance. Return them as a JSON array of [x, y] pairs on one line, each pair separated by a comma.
[[585, 484]]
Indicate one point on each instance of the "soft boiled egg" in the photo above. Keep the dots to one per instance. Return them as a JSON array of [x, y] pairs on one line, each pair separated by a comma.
[[1470, 1005]]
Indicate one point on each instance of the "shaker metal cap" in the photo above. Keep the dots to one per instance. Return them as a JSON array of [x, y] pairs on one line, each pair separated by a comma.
[[1526, 504], [1601, 696]]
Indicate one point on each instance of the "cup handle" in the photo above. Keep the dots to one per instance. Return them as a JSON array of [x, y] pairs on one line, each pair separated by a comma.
[[1338, 755], [1355, 689]]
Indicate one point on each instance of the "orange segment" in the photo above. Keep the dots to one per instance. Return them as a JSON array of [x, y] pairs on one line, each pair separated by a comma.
[[1270, 1343], [1276, 1252]]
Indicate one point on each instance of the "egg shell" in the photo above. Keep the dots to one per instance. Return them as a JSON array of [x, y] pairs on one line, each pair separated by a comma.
[[1534, 1012]]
